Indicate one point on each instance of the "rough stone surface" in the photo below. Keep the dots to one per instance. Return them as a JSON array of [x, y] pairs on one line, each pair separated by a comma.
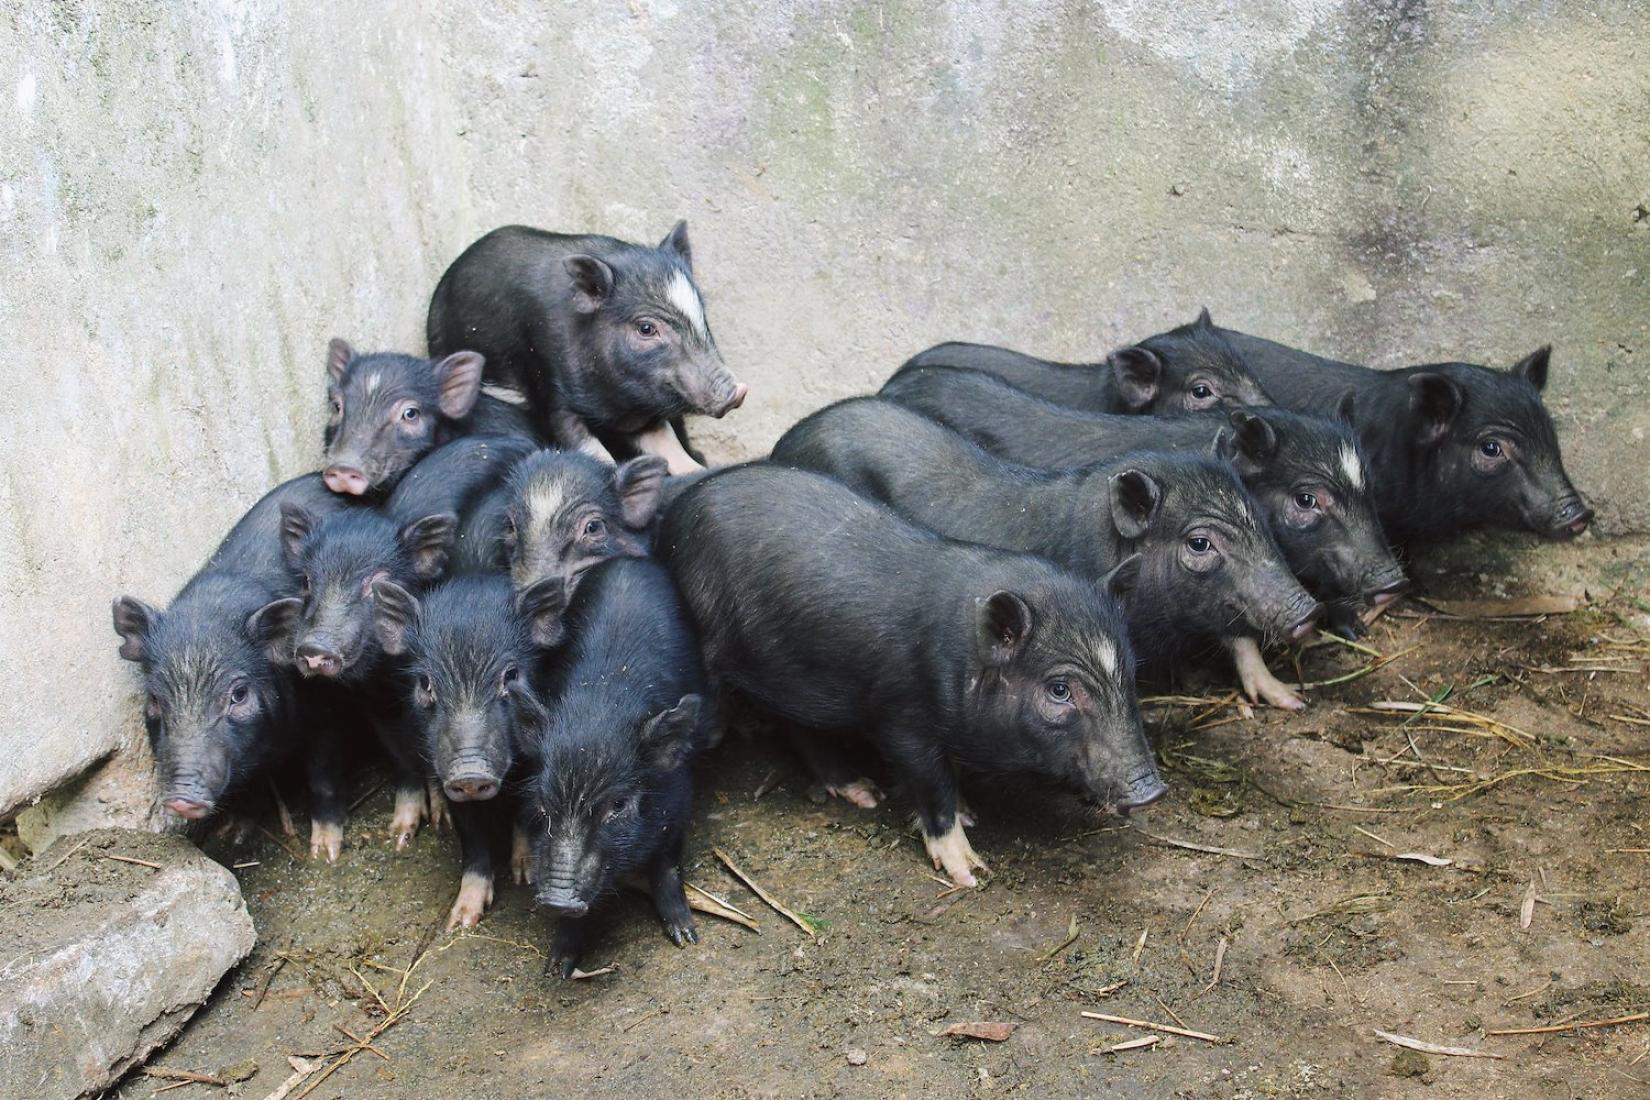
[[103, 961], [194, 197]]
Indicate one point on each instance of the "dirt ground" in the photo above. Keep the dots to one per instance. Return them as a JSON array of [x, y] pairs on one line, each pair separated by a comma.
[[1305, 822]]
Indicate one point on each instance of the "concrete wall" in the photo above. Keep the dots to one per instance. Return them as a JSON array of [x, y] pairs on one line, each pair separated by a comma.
[[194, 196]]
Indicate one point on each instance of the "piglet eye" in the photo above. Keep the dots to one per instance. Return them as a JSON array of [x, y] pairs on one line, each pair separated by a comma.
[[595, 529], [425, 685], [1306, 501], [647, 328], [1059, 691], [1197, 544], [1490, 448], [1202, 391], [410, 414], [337, 407], [238, 694], [617, 806]]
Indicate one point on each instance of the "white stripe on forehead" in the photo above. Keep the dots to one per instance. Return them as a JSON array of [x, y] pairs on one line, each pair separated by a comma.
[[544, 498], [374, 380], [1106, 654], [684, 297], [1351, 468]]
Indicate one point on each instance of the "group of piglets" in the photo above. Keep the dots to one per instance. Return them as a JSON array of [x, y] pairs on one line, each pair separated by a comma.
[[538, 601]]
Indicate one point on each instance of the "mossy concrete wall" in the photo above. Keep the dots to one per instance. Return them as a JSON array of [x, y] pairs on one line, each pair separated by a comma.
[[195, 196]]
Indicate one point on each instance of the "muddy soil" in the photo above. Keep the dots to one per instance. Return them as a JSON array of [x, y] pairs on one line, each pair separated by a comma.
[[1306, 825]]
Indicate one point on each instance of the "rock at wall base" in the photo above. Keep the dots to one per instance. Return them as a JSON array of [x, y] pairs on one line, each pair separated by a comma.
[[103, 961], [119, 793]]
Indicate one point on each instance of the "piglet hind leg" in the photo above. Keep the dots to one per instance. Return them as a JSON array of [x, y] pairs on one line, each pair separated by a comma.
[[1258, 682], [439, 817], [670, 899], [664, 442], [521, 855], [832, 769]]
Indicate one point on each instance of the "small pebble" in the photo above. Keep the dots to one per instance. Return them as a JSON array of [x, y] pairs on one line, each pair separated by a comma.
[[856, 1057]]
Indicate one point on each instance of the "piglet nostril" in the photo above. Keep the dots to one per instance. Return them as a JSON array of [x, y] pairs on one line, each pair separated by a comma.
[[1307, 623], [739, 392], [346, 480], [187, 807], [315, 660], [472, 788], [1387, 594]]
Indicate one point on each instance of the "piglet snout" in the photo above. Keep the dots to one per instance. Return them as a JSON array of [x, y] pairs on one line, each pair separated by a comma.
[[1383, 596], [188, 807], [472, 788], [346, 480], [1143, 791], [316, 660], [1572, 519], [1306, 624]]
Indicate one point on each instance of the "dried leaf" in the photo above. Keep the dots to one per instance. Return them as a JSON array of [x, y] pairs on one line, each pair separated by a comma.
[[1422, 857], [1523, 606], [990, 1032], [1433, 1048], [1526, 912]]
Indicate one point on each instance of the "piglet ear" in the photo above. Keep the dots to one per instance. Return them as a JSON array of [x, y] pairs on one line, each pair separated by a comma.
[[133, 621], [272, 626], [1139, 374], [1203, 319], [459, 376], [1434, 403], [544, 604], [297, 523], [1005, 624], [1251, 444], [677, 241], [339, 355], [395, 614], [428, 542], [1136, 498], [1121, 581], [592, 282], [1346, 406], [668, 737], [641, 481], [1533, 367]]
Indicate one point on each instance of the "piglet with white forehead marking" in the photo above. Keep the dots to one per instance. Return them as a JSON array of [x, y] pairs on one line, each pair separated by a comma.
[[385, 411], [1450, 446], [607, 339], [833, 613]]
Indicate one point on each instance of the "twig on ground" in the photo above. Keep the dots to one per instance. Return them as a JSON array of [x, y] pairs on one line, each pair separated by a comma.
[[184, 1076], [1194, 847], [774, 903], [1149, 1026], [134, 860], [1554, 1028], [263, 983]]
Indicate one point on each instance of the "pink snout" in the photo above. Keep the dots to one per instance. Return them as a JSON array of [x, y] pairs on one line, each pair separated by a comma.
[[345, 480], [188, 807]]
